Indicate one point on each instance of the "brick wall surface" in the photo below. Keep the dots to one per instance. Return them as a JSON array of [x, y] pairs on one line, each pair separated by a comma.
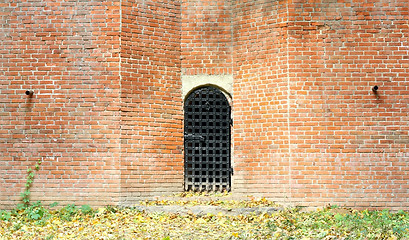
[[206, 37], [67, 53], [151, 110], [349, 144], [309, 129], [260, 102], [106, 116]]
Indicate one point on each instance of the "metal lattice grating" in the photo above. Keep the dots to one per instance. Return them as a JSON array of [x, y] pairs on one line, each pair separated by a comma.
[[207, 141]]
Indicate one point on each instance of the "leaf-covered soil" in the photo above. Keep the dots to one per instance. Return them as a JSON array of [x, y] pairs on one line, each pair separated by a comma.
[[71, 222]]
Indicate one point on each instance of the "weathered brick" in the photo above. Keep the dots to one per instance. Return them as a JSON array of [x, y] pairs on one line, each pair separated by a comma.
[[342, 55], [106, 116]]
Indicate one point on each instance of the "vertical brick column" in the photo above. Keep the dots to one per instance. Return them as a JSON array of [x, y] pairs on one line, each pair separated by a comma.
[[151, 109], [309, 129], [260, 100]]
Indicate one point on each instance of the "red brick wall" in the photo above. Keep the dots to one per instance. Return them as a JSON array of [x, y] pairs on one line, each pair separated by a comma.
[[151, 110], [260, 100], [206, 37], [67, 53], [309, 129], [348, 144], [106, 116]]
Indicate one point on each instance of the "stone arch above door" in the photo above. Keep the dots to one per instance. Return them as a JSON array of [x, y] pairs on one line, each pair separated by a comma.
[[222, 82]]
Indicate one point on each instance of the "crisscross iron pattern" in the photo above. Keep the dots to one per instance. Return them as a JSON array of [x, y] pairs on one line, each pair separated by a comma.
[[207, 141]]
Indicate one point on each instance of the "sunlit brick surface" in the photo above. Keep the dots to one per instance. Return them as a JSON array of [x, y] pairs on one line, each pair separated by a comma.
[[106, 116]]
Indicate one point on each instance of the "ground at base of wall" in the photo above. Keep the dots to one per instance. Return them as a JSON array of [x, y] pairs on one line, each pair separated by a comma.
[[202, 217], [207, 204]]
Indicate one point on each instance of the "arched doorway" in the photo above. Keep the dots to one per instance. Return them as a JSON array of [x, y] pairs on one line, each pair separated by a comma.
[[207, 140]]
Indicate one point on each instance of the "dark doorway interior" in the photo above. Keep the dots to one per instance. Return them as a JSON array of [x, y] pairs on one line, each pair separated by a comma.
[[207, 141]]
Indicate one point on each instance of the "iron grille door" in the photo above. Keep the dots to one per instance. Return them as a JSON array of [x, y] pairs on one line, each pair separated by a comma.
[[207, 141]]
